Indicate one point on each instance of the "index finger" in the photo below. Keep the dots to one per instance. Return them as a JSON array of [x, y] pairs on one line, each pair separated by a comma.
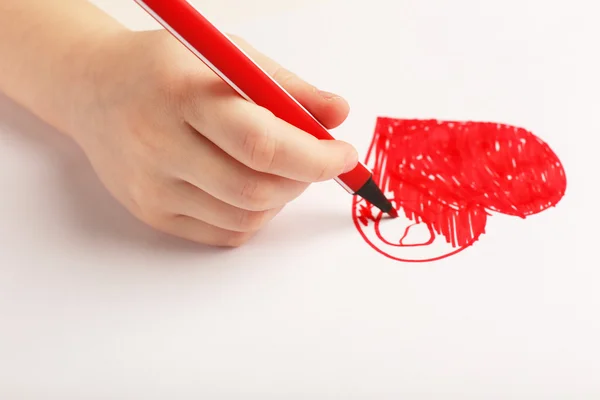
[[257, 138], [329, 109]]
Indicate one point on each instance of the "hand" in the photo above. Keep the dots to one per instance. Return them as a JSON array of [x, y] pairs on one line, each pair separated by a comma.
[[186, 154]]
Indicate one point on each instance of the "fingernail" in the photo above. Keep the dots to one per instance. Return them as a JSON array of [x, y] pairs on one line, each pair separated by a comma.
[[328, 95], [351, 161]]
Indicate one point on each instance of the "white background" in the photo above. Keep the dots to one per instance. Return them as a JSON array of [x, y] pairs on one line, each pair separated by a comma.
[[94, 305]]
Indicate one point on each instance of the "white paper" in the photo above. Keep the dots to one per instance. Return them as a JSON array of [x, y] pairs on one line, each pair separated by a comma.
[[93, 303]]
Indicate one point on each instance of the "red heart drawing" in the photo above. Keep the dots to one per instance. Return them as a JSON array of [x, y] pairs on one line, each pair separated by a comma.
[[445, 179]]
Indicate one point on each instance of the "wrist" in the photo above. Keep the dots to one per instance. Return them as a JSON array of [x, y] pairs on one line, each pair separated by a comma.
[[48, 50], [92, 74]]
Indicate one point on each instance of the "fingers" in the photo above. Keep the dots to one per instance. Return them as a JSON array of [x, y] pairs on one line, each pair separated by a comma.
[[330, 109], [190, 201], [198, 231], [264, 143], [204, 165]]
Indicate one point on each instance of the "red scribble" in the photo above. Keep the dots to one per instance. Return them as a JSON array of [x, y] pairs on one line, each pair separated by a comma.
[[450, 176]]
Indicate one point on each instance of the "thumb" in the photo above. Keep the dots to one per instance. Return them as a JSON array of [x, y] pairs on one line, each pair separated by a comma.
[[330, 109]]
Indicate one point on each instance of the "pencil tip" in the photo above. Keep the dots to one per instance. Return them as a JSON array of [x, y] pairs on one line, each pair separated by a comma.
[[371, 193]]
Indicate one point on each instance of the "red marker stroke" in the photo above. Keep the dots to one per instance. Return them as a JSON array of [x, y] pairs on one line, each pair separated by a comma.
[[446, 178]]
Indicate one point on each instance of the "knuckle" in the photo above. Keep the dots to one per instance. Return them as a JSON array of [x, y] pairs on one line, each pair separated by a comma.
[[260, 148], [169, 94], [164, 96], [187, 100], [146, 141], [323, 171], [252, 194], [251, 221], [283, 76], [146, 200], [235, 239], [156, 220]]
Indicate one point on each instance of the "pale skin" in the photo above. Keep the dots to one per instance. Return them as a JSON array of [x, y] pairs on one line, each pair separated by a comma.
[[170, 141]]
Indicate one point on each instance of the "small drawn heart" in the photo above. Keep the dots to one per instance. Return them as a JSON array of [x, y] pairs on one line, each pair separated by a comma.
[[446, 178]]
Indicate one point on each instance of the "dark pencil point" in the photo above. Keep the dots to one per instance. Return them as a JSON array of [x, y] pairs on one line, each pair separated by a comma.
[[371, 193]]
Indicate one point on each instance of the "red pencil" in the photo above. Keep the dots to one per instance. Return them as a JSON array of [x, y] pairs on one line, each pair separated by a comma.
[[236, 68]]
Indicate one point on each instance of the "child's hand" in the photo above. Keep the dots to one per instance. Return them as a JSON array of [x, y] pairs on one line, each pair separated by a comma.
[[186, 154]]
